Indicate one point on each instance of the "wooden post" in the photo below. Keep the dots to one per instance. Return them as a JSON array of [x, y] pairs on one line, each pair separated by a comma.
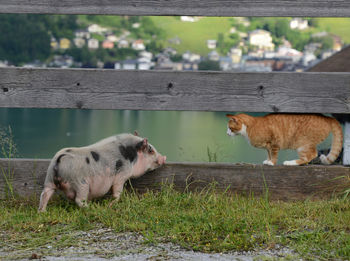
[[346, 151]]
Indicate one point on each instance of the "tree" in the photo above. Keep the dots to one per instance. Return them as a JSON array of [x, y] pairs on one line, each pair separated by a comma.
[[208, 65], [24, 38]]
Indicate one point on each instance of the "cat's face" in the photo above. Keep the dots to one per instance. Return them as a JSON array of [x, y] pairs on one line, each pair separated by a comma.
[[234, 125]]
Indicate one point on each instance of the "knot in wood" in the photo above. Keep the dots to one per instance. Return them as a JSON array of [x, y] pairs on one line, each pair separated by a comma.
[[79, 104], [170, 85], [261, 90]]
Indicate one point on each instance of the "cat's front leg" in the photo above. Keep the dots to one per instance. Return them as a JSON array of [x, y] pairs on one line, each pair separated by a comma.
[[272, 152]]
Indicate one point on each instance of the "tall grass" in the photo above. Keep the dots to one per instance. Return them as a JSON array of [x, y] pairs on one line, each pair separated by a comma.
[[207, 221], [8, 150]]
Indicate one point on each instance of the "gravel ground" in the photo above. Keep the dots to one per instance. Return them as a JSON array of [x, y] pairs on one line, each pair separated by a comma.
[[105, 244]]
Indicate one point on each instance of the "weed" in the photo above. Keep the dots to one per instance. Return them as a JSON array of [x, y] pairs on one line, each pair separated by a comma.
[[212, 156], [8, 150]]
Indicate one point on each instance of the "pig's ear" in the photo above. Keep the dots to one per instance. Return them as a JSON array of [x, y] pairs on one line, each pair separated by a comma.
[[142, 145], [136, 133], [145, 143]]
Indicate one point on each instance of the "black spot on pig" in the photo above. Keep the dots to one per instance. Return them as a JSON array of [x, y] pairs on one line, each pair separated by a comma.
[[139, 146], [118, 166], [87, 160], [56, 179], [68, 150], [59, 158], [95, 155], [128, 152]]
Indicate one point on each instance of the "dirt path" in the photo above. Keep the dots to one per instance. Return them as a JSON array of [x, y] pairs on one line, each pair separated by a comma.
[[105, 244]]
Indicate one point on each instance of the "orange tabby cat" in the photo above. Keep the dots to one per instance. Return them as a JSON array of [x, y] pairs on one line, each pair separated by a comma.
[[301, 132]]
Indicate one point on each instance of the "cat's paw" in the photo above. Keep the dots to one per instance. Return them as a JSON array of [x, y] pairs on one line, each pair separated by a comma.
[[268, 162], [324, 159], [290, 163]]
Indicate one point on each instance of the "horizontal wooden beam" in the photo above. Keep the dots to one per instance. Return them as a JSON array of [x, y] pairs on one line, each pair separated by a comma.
[[159, 90], [282, 182], [330, 8]]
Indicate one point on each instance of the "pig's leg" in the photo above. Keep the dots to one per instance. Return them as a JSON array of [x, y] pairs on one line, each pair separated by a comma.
[[117, 189], [82, 196], [45, 196]]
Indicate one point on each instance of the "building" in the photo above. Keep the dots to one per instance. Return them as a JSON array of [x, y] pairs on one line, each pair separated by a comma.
[[106, 44], [82, 34], [54, 44], [64, 43], [113, 38], [236, 55], [211, 44], [138, 45], [191, 19], [123, 44], [261, 39], [191, 57], [93, 43], [213, 56], [298, 23], [79, 42], [95, 28]]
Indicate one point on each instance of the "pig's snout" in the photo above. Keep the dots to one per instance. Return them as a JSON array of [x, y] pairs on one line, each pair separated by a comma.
[[161, 160]]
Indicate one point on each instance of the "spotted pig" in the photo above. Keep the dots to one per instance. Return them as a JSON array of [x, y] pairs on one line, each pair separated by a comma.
[[90, 172]]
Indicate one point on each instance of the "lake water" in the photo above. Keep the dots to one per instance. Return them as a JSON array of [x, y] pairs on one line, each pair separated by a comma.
[[181, 136]]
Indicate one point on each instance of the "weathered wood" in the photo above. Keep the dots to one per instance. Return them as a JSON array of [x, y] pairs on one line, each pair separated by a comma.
[[282, 182], [334, 8], [159, 90]]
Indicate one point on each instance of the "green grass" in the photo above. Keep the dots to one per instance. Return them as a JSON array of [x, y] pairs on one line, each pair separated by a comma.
[[337, 26], [206, 221], [193, 36]]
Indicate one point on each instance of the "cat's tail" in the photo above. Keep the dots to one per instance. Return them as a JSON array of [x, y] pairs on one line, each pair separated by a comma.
[[337, 143]]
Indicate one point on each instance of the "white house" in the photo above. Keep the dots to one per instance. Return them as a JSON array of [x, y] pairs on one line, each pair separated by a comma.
[[112, 38], [95, 28], [262, 39], [236, 55], [79, 42], [136, 25], [191, 57], [82, 34], [189, 19], [93, 43], [211, 44], [123, 44], [129, 65], [145, 54], [298, 23], [138, 45], [214, 56]]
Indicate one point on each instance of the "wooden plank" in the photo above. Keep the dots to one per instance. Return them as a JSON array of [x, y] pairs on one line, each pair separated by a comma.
[[283, 182], [159, 90], [331, 8]]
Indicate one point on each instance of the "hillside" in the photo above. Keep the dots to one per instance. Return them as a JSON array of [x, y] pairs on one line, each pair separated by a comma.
[[194, 35]]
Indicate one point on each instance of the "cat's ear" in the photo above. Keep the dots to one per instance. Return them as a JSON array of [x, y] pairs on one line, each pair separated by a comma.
[[232, 117]]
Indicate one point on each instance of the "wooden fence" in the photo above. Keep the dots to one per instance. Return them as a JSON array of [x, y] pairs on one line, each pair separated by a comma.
[[201, 91]]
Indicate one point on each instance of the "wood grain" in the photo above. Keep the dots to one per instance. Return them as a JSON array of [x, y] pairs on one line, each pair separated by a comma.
[[159, 90], [282, 182], [330, 8]]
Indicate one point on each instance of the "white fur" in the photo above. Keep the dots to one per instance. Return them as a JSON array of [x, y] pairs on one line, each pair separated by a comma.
[[324, 159], [230, 133], [268, 162], [290, 163]]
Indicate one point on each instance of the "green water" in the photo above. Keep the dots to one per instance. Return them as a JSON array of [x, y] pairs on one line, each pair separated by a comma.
[[181, 136]]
